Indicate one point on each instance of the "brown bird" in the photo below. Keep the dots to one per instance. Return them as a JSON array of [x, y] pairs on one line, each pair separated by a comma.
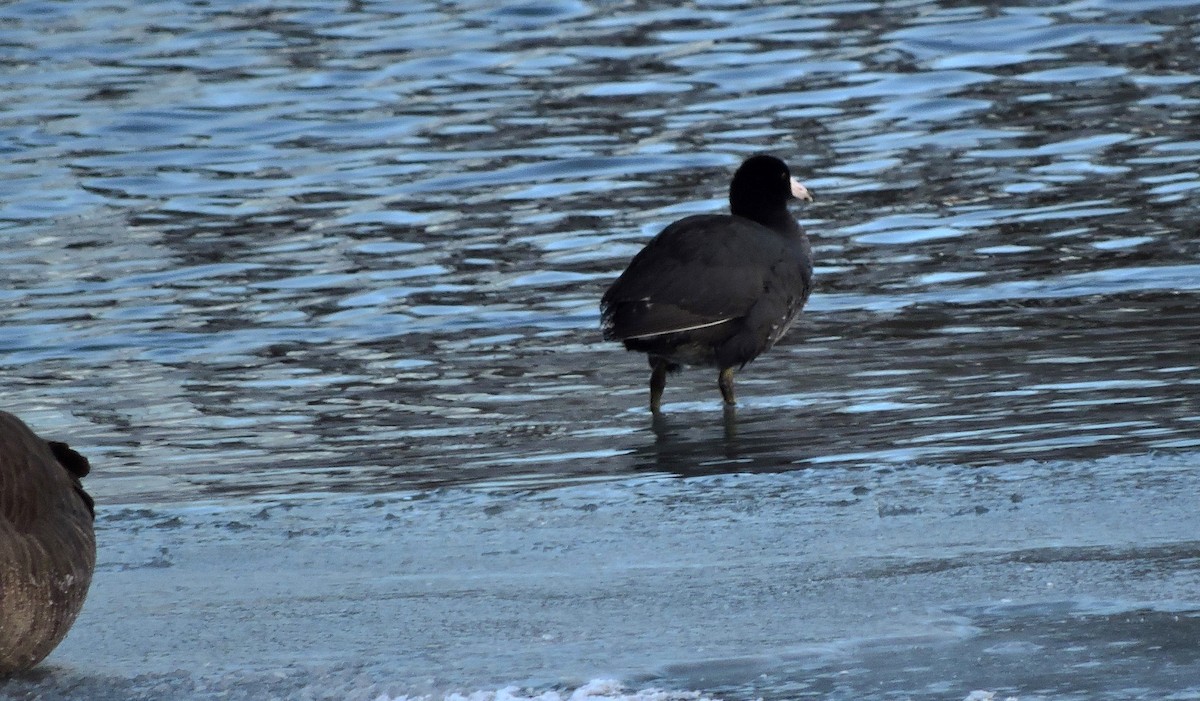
[[47, 545], [716, 290]]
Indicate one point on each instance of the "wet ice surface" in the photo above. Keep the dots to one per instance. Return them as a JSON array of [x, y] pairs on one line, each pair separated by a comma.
[[316, 248], [1041, 580], [288, 259]]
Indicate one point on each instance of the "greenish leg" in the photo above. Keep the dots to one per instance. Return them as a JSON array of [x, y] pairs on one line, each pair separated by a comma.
[[725, 382], [658, 382]]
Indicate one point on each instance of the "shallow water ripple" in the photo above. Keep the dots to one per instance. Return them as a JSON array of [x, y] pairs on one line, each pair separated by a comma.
[[297, 247]]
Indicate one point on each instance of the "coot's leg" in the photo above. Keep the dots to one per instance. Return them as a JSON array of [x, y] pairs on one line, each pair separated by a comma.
[[658, 382], [725, 382]]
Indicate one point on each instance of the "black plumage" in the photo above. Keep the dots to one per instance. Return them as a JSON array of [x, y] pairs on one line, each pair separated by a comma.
[[716, 290]]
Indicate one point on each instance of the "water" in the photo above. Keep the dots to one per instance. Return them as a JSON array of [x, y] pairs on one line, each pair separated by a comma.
[[261, 253]]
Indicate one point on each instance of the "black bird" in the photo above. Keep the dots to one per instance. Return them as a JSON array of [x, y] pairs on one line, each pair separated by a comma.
[[716, 290]]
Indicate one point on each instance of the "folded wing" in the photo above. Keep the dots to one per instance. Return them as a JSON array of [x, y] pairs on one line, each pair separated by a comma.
[[702, 272]]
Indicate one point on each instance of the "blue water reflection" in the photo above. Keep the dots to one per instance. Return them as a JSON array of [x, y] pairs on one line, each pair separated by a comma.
[[246, 244]]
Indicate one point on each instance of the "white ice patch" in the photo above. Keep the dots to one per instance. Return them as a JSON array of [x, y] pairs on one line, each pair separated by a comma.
[[595, 690], [980, 695]]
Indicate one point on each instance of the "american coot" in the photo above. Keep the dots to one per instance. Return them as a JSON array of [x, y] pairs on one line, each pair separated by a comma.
[[47, 546], [716, 290]]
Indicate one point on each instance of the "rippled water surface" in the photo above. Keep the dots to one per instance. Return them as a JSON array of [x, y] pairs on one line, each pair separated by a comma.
[[289, 247], [261, 252]]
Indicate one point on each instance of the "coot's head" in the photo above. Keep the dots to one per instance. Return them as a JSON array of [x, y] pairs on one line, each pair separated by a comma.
[[763, 184]]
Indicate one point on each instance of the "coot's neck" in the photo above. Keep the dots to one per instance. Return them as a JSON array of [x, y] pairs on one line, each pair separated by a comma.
[[775, 218]]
